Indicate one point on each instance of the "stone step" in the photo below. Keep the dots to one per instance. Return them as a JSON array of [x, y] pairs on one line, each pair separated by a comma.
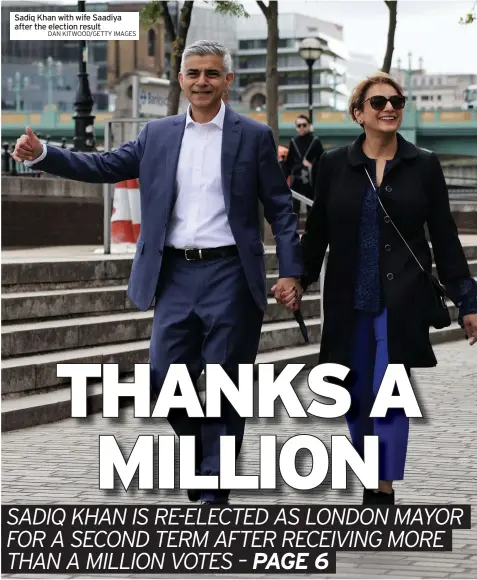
[[42, 305], [23, 339], [94, 271], [272, 277], [24, 375], [19, 413], [60, 274], [86, 272], [37, 373], [36, 306]]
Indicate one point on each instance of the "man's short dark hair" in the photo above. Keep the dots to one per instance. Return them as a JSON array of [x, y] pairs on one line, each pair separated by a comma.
[[303, 117]]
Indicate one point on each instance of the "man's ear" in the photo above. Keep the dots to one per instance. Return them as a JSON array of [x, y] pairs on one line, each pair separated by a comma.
[[229, 78], [180, 78]]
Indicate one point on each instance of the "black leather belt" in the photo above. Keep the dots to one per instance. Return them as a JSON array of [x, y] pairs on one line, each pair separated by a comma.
[[194, 254]]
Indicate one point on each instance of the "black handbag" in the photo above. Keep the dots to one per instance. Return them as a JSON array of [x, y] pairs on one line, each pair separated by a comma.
[[433, 293]]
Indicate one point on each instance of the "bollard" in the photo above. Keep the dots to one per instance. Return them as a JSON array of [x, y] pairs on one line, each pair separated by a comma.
[[13, 163], [63, 143], [6, 163]]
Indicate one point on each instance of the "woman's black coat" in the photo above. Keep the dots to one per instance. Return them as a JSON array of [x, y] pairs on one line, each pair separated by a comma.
[[414, 193]]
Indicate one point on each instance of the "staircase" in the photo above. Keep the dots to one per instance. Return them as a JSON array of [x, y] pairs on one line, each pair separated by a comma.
[[77, 311]]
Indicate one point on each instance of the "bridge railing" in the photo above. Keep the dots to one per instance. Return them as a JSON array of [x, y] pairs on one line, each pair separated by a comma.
[[11, 167]]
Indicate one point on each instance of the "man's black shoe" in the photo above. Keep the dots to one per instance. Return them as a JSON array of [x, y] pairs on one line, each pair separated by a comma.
[[193, 494], [371, 497]]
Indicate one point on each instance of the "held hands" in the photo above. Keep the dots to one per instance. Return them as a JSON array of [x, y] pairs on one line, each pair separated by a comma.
[[470, 327], [288, 293], [28, 147]]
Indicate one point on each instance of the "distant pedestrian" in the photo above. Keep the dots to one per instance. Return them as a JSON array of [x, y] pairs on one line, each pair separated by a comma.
[[304, 151]]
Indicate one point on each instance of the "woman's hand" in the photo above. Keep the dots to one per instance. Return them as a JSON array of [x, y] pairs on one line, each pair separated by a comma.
[[288, 293], [470, 327]]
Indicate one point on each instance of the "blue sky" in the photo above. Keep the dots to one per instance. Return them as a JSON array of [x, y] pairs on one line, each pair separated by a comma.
[[429, 29]]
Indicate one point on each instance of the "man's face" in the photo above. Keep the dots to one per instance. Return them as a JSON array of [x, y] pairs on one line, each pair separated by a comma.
[[302, 126], [204, 81]]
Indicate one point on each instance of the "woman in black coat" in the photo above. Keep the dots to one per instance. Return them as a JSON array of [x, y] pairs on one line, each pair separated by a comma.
[[373, 315]]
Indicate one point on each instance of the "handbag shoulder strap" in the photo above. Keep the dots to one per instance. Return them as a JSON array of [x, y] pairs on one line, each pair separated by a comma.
[[309, 148], [394, 225], [307, 151], [296, 148]]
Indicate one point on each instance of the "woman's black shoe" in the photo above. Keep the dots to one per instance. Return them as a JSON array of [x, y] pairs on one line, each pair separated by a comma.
[[371, 497]]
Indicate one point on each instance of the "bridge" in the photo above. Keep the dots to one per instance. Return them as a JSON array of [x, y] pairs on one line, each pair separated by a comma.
[[446, 132]]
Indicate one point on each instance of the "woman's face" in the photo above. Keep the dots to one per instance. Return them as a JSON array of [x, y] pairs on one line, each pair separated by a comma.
[[380, 115]]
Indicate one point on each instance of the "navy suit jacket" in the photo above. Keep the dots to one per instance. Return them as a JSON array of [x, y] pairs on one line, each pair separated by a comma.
[[250, 172]]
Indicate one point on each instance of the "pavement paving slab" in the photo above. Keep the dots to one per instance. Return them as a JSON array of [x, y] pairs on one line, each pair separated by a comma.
[[58, 464]]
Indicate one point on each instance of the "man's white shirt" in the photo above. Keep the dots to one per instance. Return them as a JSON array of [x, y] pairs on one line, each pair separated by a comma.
[[199, 217], [38, 159]]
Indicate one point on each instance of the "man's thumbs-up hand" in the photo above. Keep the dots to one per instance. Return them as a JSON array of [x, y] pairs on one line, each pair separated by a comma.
[[28, 147]]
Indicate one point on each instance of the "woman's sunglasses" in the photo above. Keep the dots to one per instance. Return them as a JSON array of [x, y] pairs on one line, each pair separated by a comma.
[[378, 102]]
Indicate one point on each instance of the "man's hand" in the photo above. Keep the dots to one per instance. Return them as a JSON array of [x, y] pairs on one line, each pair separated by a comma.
[[306, 163], [470, 327], [288, 292], [28, 147]]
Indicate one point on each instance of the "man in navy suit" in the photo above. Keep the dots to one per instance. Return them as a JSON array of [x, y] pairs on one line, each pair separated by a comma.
[[199, 254]]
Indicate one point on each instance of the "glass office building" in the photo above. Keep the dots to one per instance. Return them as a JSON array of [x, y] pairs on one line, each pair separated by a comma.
[[329, 72], [23, 59]]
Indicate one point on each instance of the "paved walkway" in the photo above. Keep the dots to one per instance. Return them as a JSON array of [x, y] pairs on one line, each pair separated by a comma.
[[58, 464]]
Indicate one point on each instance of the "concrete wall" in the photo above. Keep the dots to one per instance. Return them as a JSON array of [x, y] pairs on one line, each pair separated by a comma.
[[49, 212]]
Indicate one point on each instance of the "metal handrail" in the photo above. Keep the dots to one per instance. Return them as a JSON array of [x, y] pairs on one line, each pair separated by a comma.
[[309, 202]]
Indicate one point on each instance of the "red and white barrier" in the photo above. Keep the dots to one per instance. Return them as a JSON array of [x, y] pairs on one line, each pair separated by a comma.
[[121, 222], [134, 206], [125, 218]]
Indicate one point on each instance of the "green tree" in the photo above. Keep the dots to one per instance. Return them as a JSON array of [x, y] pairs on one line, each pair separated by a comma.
[[470, 16], [271, 14], [155, 10], [388, 57]]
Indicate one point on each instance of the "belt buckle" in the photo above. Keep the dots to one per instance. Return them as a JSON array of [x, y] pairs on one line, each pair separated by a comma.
[[192, 259]]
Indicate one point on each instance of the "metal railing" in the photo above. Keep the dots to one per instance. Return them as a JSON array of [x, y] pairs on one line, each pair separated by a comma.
[[309, 203], [13, 168]]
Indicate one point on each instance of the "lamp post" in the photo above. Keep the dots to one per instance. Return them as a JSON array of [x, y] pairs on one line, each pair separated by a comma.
[[310, 50], [51, 71], [17, 87], [409, 73], [84, 130]]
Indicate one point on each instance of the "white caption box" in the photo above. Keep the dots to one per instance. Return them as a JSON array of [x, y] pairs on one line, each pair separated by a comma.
[[74, 25]]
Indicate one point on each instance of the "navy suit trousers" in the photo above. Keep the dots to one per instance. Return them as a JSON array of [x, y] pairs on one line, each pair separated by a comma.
[[204, 313]]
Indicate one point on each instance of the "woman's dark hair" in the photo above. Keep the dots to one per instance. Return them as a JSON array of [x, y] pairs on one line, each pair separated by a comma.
[[303, 117], [359, 91]]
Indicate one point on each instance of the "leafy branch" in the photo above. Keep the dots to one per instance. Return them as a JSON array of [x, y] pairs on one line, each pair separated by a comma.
[[229, 7], [470, 16]]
